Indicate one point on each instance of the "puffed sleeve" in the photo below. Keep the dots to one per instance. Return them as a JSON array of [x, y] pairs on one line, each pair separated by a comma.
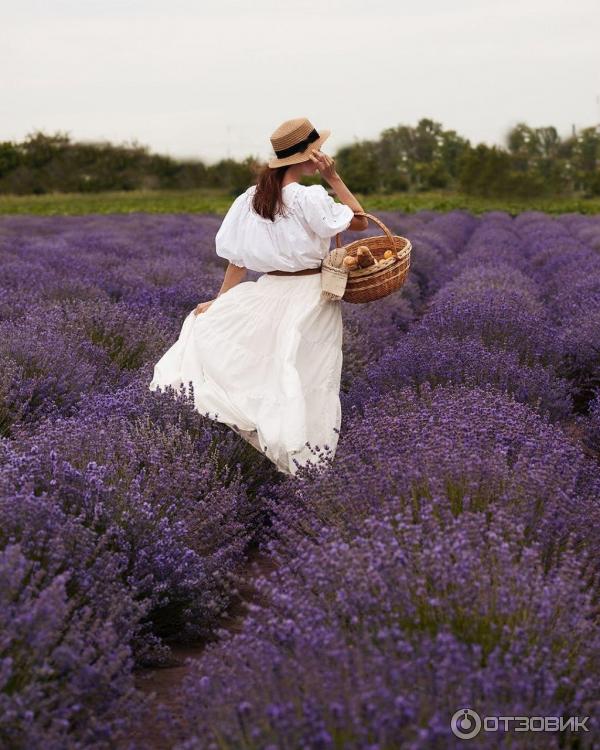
[[225, 239], [325, 216]]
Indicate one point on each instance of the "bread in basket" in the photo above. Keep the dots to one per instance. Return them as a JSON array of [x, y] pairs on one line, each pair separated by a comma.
[[378, 280]]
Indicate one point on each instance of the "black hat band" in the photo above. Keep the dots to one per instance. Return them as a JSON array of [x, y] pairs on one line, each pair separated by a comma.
[[298, 147]]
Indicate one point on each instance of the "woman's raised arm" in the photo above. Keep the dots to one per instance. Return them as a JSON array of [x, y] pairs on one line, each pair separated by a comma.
[[326, 166]]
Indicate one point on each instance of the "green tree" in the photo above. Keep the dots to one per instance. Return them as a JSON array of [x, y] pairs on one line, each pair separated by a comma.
[[10, 157], [451, 149], [231, 175], [359, 164], [39, 149], [421, 158], [484, 170], [581, 154]]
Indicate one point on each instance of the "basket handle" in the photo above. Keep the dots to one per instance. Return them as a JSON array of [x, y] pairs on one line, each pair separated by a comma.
[[338, 241]]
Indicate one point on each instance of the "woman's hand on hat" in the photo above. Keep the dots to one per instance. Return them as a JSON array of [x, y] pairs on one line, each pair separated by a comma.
[[325, 164]]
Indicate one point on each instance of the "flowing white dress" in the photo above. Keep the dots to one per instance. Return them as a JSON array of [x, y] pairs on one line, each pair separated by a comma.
[[266, 357]]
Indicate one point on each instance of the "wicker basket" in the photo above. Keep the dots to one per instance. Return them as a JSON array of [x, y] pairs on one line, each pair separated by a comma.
[[386, 276]]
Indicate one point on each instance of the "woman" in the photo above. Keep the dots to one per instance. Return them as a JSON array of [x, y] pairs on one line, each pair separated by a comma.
[[265, 356]]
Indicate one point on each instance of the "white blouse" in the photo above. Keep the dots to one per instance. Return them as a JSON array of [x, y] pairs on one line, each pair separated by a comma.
[[300, 239]]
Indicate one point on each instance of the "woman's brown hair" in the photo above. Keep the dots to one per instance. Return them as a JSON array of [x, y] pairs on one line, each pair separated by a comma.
[[267, 199]]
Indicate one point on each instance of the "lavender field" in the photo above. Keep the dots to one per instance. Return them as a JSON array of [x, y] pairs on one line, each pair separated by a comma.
[[448, 558]]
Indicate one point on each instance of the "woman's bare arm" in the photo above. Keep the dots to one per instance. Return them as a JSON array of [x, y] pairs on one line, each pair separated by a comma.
[[233, 276]]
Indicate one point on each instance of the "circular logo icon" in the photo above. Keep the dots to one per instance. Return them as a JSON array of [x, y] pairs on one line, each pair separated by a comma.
[[466, 724]]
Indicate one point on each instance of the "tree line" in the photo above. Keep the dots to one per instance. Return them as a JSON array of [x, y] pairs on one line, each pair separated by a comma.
[[533, 162]]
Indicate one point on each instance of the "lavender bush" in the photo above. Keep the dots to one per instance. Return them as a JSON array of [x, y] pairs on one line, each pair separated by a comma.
[[182, 520], [66, 622], [474, 446], [593, 424], [568, 273], [375, 642], [437, 359]]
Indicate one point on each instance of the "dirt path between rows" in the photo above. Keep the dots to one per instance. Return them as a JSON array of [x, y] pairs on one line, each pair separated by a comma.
[[165, 682]]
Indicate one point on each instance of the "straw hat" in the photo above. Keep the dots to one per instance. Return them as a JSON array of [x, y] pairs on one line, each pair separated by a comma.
[[294, 140]]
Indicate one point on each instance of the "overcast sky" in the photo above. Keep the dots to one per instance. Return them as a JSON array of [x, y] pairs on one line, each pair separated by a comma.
[[214, 78]]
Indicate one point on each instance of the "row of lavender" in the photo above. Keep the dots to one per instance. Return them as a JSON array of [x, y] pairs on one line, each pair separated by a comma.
[[450, 559], [126, 517]]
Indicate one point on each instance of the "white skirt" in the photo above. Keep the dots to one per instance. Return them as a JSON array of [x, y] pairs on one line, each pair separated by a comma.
[[266, 360]]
